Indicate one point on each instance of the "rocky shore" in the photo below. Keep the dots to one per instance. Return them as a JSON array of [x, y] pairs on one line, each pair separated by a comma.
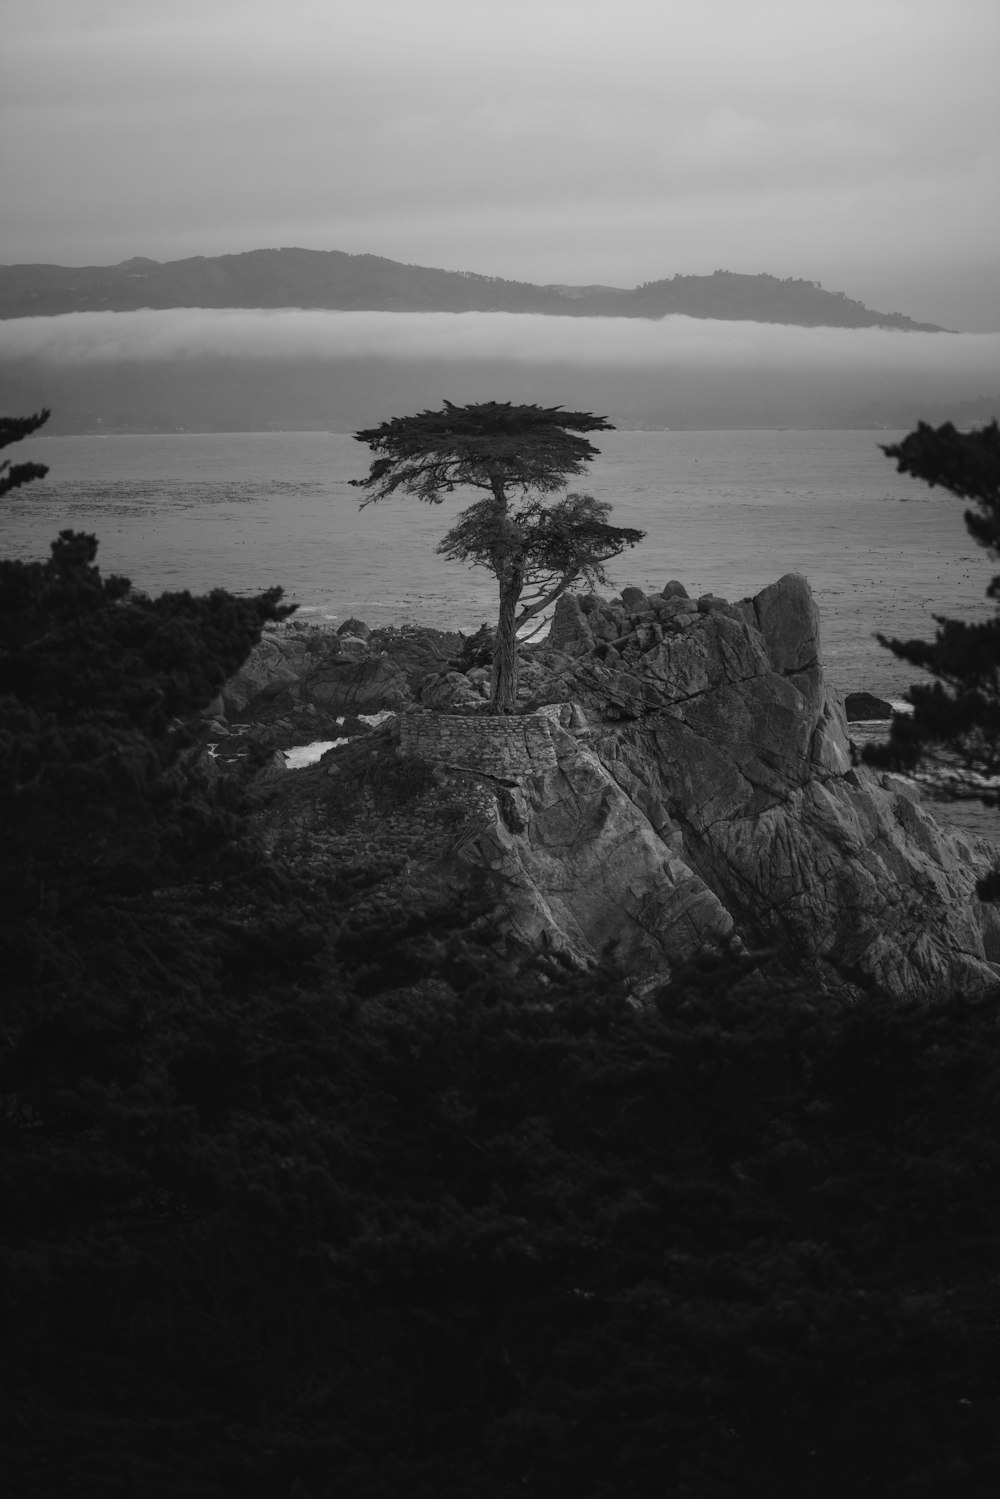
[[684, 777]]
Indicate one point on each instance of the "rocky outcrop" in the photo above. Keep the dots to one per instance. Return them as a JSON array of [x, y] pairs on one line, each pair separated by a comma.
[[349, 670], [578, 864], [272, 669], [365, 684], [698, 786], [704, 785]]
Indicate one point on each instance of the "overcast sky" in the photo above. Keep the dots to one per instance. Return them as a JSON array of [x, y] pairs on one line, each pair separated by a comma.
[[852, 142]]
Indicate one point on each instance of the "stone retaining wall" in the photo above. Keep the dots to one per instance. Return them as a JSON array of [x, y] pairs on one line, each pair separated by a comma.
[[503, 746]]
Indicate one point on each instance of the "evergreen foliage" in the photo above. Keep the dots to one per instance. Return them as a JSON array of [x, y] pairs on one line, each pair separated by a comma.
[[95, 687], [959, 712], [547, 548], [16, 429], [510, 452], [499, 1231]]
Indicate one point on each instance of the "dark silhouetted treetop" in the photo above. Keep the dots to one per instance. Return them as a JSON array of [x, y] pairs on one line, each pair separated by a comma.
[[493, 445], [95, 686], [966, 463], [75, 643], [958, 713], [16, 429]]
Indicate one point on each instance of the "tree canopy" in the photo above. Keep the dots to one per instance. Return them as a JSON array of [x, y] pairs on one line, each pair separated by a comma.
[[494, 445], [960, 710], [517, 455], [16, 429], [958, 714], [550, 547]]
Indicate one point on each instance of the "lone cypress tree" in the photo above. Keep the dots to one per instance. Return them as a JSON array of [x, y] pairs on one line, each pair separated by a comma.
[[514, 453]]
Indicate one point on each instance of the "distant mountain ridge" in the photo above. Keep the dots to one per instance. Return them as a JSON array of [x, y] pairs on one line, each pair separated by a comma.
[[334, 280]]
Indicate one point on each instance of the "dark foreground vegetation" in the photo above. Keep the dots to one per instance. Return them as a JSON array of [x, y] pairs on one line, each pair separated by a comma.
[[310, 1192]]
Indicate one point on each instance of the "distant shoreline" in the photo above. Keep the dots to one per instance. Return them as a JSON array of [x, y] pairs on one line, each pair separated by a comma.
[[349, 431]]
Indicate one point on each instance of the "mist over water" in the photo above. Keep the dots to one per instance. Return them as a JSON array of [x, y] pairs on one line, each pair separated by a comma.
[[187, 333], [204, 369], [724, 512]]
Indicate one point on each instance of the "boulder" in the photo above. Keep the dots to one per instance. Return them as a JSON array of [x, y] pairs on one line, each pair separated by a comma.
[[342, 686], [670, 608], [591, 603], [570, 630], [276, 661], [476, 649], [448, 691], [634, 599], [353, 648], [789, 622], [864, 707], [418, 652], [355, 628], [337, 671]]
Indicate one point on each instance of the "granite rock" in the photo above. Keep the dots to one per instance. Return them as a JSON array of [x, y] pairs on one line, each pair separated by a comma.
[[336, 672], [355, 628], [864, 707], [700, 789], [277, 660], [589, 868], [704, 787], [570, 630], [364, 685], [420, 651], [447, 691]]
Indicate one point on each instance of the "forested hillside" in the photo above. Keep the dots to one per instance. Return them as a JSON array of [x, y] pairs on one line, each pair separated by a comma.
[[331, 279]]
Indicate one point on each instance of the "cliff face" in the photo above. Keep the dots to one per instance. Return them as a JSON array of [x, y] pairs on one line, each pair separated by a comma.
[[704, 786], [685, 776]]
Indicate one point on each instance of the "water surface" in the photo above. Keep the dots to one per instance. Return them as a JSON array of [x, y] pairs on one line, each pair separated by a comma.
[[725, 512]]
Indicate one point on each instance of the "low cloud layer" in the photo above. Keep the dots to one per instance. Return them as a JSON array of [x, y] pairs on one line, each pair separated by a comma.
[[673, 343]]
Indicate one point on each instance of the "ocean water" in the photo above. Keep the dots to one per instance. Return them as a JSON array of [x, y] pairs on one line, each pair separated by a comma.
[[724, 512]]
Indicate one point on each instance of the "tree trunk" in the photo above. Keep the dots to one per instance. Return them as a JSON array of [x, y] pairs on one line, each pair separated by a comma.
[[503, 694]]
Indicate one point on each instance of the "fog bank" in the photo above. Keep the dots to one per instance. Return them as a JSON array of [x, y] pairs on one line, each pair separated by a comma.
[[675, 342], [243, 370]]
